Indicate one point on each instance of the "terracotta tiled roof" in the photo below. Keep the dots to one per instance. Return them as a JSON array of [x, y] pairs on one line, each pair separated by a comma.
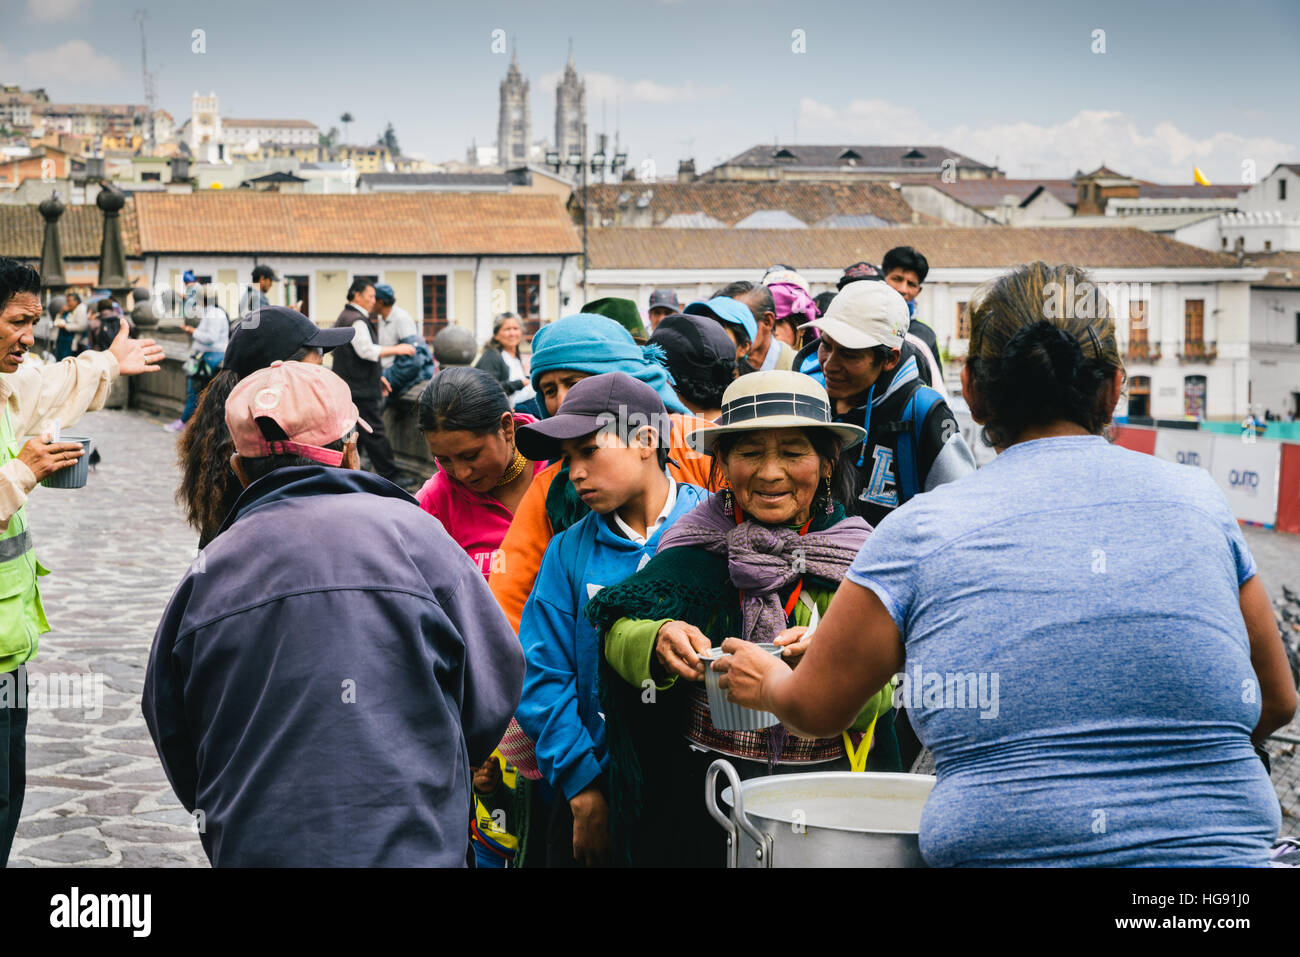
[[1284, 268], [374, 224], [943, 246], [729, 201], [81, 228]]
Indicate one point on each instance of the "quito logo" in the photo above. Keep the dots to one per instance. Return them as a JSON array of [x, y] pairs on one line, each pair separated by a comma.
[[1244, 480]]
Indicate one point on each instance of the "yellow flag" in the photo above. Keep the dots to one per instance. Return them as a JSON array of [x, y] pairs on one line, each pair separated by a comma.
[[1199, 177]]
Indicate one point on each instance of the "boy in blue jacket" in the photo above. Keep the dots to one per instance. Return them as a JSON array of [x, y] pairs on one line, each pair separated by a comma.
[[614, 431]]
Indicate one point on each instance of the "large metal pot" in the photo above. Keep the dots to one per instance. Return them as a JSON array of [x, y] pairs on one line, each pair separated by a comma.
[[827, 819]]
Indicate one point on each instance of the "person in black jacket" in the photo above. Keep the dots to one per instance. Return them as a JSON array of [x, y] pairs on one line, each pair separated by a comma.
[[501, 359], [357, 364]]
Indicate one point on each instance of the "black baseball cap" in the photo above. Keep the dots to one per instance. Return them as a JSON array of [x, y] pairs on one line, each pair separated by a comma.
[[665, 299], [264, 272], [597, 402], [276, 332], [697, 348]]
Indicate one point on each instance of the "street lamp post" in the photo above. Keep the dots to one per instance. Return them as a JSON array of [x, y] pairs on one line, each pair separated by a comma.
[[598, 164]]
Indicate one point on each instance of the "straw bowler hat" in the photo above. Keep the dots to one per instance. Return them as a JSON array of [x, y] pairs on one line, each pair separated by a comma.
[[778, 399]]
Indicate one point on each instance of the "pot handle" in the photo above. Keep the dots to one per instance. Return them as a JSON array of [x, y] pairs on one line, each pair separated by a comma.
[[738, 819]]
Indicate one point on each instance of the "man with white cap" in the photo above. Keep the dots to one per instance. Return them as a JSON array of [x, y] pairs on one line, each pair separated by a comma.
[[913, 442], [333, 667]]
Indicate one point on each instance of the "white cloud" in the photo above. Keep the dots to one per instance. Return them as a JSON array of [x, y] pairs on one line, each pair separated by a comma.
[[56, 10], [604, 86], [75, 60], [1164, 154]]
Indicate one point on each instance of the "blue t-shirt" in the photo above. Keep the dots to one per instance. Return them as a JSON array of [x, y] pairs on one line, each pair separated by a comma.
[[1077, 661]]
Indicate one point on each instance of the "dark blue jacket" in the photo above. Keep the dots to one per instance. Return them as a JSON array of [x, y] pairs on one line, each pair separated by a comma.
[[325, 677]]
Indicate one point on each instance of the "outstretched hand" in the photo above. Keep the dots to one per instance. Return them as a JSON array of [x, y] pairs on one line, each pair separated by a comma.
[[135, 356]]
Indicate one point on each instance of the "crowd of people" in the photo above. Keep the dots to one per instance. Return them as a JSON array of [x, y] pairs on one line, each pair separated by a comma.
[[507, 668]]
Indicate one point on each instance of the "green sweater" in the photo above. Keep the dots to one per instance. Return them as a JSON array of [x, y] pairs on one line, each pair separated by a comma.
[[630, 647]]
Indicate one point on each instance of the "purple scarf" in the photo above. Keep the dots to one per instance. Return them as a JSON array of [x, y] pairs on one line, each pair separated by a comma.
[[764, 559], [790, 299]]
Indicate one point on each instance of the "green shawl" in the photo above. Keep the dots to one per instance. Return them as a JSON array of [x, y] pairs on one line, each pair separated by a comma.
[[657, 815]]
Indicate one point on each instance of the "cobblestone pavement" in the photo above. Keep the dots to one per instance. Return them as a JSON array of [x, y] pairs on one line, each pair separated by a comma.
[[96, 794]]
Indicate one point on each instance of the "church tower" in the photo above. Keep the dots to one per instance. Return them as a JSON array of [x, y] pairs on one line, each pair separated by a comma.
[[570, 112], [514, 122]]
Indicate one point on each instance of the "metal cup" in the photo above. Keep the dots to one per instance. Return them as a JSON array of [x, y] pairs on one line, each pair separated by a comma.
[[74, 476], [727, 715]]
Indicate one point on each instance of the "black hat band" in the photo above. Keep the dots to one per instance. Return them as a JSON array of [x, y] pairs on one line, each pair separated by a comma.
[[774, 403]]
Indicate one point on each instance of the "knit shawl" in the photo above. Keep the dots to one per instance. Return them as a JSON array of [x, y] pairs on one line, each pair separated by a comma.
[[762, 560]]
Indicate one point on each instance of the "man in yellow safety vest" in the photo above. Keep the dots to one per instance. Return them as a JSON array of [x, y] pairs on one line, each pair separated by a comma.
[[33, 397]]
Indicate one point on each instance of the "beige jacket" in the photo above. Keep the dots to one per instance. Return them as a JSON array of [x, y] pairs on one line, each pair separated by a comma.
[[38, 394]]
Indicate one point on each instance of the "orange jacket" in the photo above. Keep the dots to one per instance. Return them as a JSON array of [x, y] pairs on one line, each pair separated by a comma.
[[514, 568]]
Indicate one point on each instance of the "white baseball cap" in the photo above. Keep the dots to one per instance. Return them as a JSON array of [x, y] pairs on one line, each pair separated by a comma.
[[865, 314]]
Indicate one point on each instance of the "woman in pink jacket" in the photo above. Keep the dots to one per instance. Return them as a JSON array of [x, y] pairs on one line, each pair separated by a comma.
[[470, 430]]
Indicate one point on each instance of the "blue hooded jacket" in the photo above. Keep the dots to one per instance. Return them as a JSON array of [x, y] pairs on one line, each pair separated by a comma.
[[325, 677], [560, 707], [586, 342]]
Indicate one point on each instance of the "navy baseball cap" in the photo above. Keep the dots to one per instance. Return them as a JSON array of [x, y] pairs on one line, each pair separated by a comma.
[[277, 332], [597, 402]]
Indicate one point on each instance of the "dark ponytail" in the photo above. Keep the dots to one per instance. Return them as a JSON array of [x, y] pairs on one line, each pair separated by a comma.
[[462, 399], [1032, 364]]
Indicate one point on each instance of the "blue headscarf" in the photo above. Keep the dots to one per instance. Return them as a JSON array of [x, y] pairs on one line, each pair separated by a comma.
[[589, 343]]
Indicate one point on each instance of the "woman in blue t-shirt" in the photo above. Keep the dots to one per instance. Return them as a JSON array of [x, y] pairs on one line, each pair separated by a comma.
[[1086, 646]]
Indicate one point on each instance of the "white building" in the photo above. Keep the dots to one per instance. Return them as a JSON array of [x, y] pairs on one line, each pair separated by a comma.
[[1183, 314], [213, 139], [458, 258], [1275, 334], [252, 133]]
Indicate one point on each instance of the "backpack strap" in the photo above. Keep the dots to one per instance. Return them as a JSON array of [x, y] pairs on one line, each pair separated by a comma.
[[907, 455]]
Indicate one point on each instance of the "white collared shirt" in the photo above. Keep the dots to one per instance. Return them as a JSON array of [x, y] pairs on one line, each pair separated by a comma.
[[627, 530]]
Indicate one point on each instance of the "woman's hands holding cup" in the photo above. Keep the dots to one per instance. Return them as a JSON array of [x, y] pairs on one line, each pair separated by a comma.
[[749, 671], [677, 648]]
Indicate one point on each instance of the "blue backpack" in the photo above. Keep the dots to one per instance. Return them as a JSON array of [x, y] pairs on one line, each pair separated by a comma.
[[907, 454]]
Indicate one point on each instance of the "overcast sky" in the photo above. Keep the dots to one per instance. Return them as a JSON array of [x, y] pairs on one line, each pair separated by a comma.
[[1179, 84]]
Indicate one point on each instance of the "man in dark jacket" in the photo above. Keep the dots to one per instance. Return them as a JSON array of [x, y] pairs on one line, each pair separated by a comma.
[[913, 443], [359, 367], [333, 666]]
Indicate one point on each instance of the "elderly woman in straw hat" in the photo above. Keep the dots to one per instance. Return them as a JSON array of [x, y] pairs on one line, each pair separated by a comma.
[[758, 561]]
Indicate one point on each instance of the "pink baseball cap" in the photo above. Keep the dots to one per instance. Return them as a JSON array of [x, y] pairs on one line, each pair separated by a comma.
[[310, 404]]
